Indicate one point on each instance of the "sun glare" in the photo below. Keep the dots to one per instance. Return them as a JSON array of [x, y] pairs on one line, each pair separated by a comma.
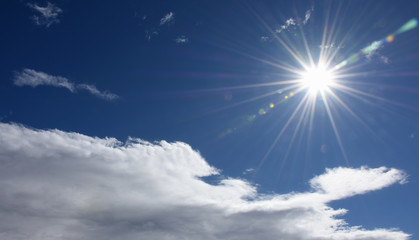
[[317, 79]]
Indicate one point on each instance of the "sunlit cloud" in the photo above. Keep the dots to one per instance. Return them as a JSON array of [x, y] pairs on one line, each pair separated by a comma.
[[46, 16], [289, 22], [295, 21], [30, 77], [57, 184], [328, 46], [168, 18]]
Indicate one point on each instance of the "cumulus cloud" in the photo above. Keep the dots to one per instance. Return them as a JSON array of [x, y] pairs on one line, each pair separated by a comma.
[[30, 77], [61, 185], [182, 39], [168, 18], [46, 16]]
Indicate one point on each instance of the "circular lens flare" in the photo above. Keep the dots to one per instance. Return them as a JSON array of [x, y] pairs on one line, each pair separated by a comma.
[[317, 79]]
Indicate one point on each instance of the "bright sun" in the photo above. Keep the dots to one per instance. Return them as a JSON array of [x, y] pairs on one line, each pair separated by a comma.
[[317, 79]]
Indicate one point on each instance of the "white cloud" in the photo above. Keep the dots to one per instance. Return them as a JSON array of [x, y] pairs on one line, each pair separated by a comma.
[[182, 39], [30, 77], [289, 22], [307, 16], [47, 15], [60, 185], [293, 22], [264, 38], [168, 18], [372, 51], [332, 45], [249, 170], [93, 90]]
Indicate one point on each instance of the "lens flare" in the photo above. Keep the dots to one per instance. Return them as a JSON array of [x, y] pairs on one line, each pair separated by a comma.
[[317, 79]]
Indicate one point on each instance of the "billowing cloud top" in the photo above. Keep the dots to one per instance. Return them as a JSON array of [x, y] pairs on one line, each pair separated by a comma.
[[60, 185], [30, 77]]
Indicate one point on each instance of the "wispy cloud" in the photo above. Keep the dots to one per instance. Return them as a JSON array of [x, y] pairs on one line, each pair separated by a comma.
[[295, 21], [247, 171], [46, 16], [373, 49], [150, 33], [30, 77], [93, 90], [289, 22], [308, 15], [264, 38], [155, 29], [182, 39], [69, 184], [328, 46], [168, 18]]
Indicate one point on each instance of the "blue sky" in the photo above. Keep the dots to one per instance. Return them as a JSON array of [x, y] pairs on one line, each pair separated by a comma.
[[198, 120]]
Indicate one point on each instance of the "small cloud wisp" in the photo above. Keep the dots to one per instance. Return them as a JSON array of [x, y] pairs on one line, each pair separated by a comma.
[[168, 18], [46, 16], [182, 39], [30, 77]]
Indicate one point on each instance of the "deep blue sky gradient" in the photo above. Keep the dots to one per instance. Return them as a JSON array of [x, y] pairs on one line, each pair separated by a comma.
[[185, 92]]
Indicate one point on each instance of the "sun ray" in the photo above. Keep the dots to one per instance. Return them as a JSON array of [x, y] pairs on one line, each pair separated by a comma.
[[335, 130], [285, 127]]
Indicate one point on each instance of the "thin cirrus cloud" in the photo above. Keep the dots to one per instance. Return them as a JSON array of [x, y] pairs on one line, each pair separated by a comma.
[[289, 23], [30, 77], [182, 39], [63, 185], [308, 15], [168, 18], [45, 16]]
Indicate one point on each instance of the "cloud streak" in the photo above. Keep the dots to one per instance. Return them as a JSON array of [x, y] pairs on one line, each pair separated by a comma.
[[30, 77], [168, 18], [46, 16], [307, 16], [61, 185]]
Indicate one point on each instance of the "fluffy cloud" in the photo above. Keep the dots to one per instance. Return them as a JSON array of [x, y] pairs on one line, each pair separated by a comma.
[[60, 185], [29, 77], [46, 16]]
